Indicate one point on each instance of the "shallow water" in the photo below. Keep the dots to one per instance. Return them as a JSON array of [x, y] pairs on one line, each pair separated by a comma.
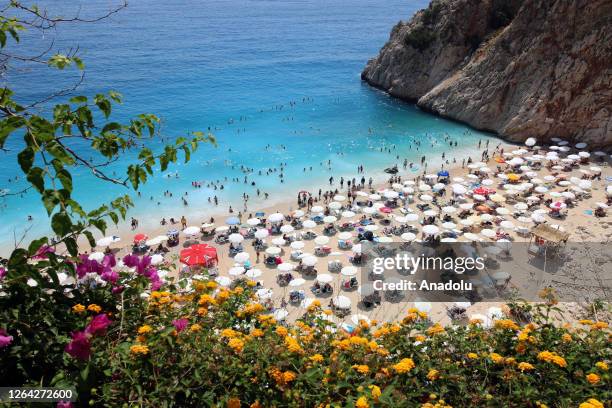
[[203, 64]]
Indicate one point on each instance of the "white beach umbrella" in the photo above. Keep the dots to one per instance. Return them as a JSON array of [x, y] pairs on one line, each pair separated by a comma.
[[279, 241], [466, 222], [309, 224], [157, 259], [310, 260], [285, 229], [375, 197], [223, 280], [459, 189], [344, 235], [253, 221], [253, 273], [330, 219], [348, 214], [242, 257], [479, 197], [298, 213], [385, 240], [261, 233], [235, 238], [521, 206], [297, 282], [502, 211], [426, 197], [297, 245], [325, 278], [222, 228], [391, 194], [408, 190], [412, 217], [236, 271], [369, 210], [488, 233], [530, 142], [408, 236], [285, 267], [96, 256], [264, 293], [334, 205], [339, 197], [430, 213], [280, 314], [276, 217], [191, 230], [506, 225], [349, 271], [321, 240], [449, 210], [431, 230], [273, 250], [316, 209], [449, 225], [342, 302], [466, 206], [106, 241], [371, 227], [487, 182]]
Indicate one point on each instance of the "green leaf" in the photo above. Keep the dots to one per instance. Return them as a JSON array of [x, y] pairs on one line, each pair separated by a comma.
[[36, 178], [78, 99], [26, 159], [61, 224], [8, 126]]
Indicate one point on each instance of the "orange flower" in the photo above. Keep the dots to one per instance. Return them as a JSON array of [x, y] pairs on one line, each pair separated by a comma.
[[361, 368], [404, 366], [233, 403], [317, 358], [592, 378], [78, 308], [433, 375]]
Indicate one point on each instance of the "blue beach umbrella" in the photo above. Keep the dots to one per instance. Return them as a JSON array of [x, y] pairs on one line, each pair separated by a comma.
[[232, 221], [260, 214], [443, 173]]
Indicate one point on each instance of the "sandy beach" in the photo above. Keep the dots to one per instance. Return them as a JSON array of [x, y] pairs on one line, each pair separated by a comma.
[[577, 220]]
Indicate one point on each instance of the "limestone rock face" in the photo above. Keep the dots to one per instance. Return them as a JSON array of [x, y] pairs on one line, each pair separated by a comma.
[[521, 68]]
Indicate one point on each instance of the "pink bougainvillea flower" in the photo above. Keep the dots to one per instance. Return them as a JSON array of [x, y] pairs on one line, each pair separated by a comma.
[[79, 347], [3, 272], [98, 325], [117, 289], [180, 324], [5, 339], [64, 404], [110, 276]]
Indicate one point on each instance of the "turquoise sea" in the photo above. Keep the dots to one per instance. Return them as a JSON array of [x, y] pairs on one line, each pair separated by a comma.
[[234, 67]]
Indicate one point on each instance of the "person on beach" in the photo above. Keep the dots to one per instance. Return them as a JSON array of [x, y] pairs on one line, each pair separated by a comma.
[[183, 222]]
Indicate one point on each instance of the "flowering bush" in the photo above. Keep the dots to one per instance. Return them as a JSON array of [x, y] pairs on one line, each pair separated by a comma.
[[141, 339]]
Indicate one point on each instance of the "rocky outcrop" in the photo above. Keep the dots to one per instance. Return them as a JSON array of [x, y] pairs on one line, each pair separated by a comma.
[[521, 68]]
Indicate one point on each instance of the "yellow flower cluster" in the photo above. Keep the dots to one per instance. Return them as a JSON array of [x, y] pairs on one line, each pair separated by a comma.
[[591, 403], [282, 378], [137, 349], [506, 324], [602, 365], [94, 308], [206, 300], [236, 344], [362, 402], [361, 368], [293, 345], [435, 329], [523, 366], [433, 375], [552, 357], [472, 356], [160, 298], [78, 308], [144, 329], [316, 358], [404, 366], [195, 328], [250, 310]]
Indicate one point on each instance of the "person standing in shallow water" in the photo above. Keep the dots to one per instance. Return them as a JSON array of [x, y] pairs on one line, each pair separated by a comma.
[[183, 222]]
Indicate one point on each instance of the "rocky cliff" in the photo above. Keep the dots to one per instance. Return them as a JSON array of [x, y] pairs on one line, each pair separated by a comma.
[[521, 68]]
